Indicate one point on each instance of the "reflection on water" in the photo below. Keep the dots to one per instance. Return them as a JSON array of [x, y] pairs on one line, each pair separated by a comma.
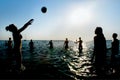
[[70, 62]]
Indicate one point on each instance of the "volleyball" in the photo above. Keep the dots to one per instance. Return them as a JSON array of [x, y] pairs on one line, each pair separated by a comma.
[[44, 9]]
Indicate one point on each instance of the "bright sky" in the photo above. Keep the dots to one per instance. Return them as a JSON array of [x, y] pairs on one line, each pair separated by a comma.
[[64, 19]]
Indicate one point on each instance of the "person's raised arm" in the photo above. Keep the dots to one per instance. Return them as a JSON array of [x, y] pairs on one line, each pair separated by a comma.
[[26, 25]]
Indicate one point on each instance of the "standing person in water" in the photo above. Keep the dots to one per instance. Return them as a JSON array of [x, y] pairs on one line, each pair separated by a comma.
[[10, 44], [99, 50], [17, 41], [115, 47], [80, 47], [51, 44], [66, 43], [31, 44], [9, 53]]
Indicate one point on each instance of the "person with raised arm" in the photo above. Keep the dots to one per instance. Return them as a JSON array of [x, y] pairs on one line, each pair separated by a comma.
[[17, 41], [80, 47]]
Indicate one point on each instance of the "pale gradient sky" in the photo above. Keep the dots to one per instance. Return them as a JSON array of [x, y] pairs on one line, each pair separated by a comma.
[[64, 19]]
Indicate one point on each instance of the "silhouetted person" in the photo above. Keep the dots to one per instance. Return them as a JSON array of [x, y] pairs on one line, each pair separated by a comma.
[[99, 50], [31, 44], [51, 44], [115, 47], [9, 53], [17, 41], [9, 44], [66, 43], [80, 47]]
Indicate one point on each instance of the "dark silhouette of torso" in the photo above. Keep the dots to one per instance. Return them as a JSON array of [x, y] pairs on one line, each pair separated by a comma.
[[31, 44], [51, 44], [9, 44], [66, 43], [17, 40], [80, 45], [115, 46], [99, 49]]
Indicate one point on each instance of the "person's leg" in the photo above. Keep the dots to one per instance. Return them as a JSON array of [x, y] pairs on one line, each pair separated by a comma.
[[18, 60]]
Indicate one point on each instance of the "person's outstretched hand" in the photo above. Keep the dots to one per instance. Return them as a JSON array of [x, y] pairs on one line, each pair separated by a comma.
[[30, 22]]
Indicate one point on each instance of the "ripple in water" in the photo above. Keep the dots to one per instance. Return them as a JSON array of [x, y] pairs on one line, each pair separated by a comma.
[[70, 62]]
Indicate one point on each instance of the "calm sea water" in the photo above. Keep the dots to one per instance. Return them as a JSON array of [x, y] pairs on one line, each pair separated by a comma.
[[68, 62]]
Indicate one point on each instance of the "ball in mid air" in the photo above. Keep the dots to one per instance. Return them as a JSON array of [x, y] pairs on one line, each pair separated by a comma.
[[44, 9]]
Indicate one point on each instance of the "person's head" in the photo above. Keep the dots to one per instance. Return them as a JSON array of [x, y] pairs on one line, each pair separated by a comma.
[[31, 40], [9, 38], [98, 30], [79, 38], [11, 28], [66, 39], [114, 35]]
